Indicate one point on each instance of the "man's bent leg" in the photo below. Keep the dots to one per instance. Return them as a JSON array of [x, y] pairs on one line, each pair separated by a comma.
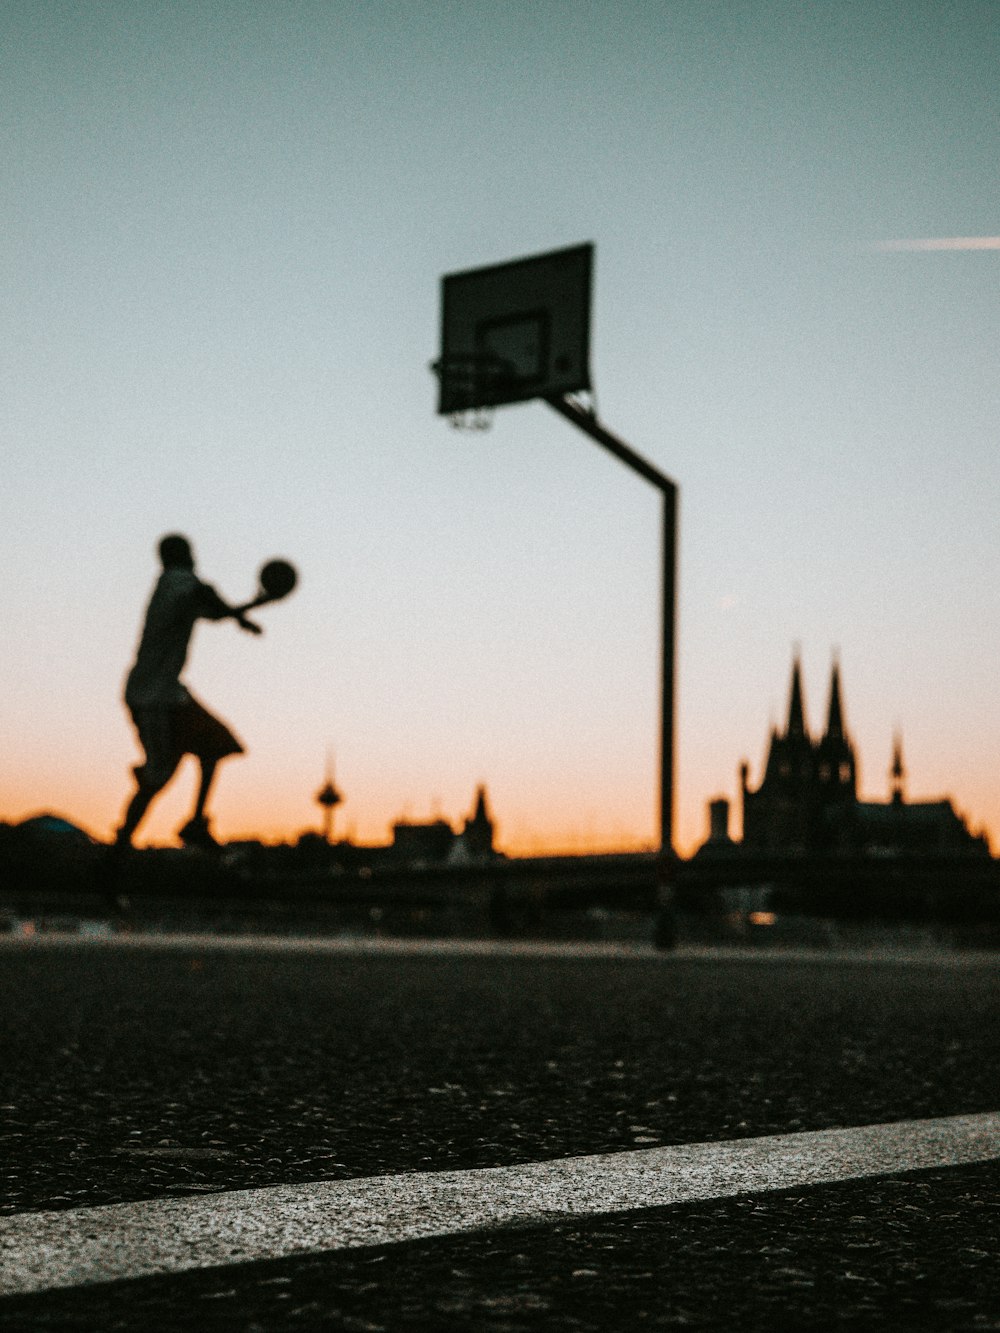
[[195, 832], [155, 729], [209, 740], [134, 812], [208, 767]]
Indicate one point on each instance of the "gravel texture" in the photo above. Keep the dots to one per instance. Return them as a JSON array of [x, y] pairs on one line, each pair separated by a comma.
[[147, 1074]]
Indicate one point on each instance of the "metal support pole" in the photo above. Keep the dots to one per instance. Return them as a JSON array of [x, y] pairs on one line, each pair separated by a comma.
[[668, 702], [588, 422]]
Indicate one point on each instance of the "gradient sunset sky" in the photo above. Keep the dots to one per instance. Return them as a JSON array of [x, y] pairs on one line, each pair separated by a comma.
[[224, 230]]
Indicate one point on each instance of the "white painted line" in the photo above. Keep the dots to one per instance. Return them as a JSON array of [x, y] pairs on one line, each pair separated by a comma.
[[40, 1251]]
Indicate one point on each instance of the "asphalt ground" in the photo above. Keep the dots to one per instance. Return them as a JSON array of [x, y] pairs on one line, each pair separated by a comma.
[[140, 1074]]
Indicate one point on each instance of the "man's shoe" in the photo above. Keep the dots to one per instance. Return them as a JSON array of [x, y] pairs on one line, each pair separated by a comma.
[[195, 833]]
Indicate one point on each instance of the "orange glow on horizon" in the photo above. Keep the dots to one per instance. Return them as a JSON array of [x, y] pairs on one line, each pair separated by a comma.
[[547, 828], [269, 796]]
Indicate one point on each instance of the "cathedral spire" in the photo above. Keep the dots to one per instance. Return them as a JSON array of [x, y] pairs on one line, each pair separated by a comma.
[[480, 813], [836, 766], [476, 837], [796, 707], [835, 717]]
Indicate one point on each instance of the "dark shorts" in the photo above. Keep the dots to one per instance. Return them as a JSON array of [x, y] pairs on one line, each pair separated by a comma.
[[167, 734]]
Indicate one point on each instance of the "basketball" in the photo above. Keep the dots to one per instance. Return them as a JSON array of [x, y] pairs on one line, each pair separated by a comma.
[[277, 579]]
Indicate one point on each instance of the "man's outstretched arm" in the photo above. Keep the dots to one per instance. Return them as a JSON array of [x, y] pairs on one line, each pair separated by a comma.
[[213, 607]]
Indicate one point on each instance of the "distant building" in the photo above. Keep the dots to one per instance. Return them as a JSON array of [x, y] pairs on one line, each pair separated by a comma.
[[807, 799], [437, 843], [718, 827], [474, 845], [58, 827], [421, 844]]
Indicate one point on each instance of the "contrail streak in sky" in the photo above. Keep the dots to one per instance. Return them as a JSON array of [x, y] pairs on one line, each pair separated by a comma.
[[942, 243]]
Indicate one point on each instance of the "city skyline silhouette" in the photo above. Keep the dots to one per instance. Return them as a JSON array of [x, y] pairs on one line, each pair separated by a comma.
[[799, 763]]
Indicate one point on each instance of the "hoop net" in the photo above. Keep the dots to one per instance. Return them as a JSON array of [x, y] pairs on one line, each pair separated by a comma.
[[472, 418], [471, 382]]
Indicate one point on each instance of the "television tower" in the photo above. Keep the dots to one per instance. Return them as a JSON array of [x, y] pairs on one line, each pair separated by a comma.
[[329, 798]]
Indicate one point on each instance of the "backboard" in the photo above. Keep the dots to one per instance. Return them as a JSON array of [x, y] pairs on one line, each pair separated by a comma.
[[514, 331]]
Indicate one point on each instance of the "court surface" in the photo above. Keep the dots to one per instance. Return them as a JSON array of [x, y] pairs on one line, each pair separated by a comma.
[[281, 1135]]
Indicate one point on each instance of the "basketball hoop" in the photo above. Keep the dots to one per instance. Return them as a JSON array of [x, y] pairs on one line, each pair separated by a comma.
[[473, 384]]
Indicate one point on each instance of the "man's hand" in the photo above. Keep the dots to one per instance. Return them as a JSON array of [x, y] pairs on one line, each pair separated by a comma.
[[250, 626]]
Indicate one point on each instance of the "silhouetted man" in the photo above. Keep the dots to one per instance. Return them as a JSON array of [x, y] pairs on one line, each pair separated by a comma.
[[171, 723]]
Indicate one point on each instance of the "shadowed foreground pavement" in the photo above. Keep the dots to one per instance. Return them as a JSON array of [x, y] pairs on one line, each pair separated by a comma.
[[159, 1073]]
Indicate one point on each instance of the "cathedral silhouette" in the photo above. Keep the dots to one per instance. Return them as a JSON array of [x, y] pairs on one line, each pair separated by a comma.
[[807, 800]]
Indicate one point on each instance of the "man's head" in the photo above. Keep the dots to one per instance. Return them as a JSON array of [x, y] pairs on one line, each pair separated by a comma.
[[175, 552]]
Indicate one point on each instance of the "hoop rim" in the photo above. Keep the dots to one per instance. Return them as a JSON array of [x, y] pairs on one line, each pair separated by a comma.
[[474, 377]]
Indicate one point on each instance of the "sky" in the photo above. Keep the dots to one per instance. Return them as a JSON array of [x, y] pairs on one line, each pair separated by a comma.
[[225, 226]]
